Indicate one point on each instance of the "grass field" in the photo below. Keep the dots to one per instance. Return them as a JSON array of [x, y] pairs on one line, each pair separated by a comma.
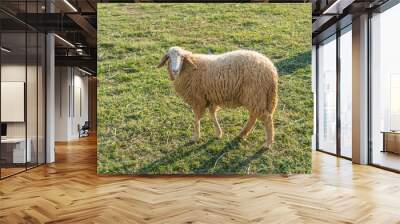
[[144, 128]]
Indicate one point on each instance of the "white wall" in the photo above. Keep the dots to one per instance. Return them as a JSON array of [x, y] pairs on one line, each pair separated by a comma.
[[12, 73], [79, 117], [70, 83], [33, 126], [62, 82]]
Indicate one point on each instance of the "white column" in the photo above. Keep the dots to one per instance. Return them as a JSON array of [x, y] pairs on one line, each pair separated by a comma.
[[360, 90], [50, 100]]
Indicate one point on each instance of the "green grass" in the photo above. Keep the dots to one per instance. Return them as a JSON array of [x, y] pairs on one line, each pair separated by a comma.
[[144, 127]]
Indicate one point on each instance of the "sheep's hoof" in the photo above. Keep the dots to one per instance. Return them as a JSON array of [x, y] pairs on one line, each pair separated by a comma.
[[219, 135], [242, 137], [239, 139], [266, 145], [190, 142], [194, 140]]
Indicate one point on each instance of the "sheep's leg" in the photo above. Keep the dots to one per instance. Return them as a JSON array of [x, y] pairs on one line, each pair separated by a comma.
[[269, 130], [213, 114], [198, 113], [248, 127]]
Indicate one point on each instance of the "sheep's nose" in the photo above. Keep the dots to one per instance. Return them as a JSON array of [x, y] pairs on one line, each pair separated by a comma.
[[175, 71]]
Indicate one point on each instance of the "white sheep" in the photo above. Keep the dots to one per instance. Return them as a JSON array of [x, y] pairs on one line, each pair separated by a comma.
[[238, 78]]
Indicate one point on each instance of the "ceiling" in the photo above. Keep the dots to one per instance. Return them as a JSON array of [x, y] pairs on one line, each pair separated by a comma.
[[331, 15], [73, 21]]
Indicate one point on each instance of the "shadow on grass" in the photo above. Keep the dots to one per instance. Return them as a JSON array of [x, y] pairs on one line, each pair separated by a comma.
[[171, 158], [206, 166], [292, 64], [237, 167], [209, 165]]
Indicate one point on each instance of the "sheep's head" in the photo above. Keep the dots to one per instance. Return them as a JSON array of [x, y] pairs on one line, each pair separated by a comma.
[[175, 58]]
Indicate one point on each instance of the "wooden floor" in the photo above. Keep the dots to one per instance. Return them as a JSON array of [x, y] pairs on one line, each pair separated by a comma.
[[10, 171], [70, 191]]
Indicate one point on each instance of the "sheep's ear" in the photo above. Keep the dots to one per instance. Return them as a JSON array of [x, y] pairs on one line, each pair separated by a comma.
[[189, 59], [163, 60]]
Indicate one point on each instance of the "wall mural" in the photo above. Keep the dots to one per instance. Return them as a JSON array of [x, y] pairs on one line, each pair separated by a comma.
[[204, 88]]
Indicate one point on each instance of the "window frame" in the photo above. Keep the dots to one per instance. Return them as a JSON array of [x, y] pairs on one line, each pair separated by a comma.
[[338, 34]]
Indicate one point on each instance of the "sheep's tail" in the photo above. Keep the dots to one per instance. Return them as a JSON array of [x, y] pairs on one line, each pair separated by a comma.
[[272, 98]]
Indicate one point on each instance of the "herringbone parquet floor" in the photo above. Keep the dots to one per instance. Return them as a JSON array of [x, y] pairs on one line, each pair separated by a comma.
[[70, 191]]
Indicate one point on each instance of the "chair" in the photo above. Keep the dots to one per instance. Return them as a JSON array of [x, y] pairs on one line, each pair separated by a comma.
[[84, 130]]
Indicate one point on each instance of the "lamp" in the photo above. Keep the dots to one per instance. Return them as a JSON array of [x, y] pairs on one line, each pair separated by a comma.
[[64, 40], [5, 50], [70, 5]]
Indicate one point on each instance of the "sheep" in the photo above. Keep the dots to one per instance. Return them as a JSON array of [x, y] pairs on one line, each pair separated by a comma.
[[233, 79]]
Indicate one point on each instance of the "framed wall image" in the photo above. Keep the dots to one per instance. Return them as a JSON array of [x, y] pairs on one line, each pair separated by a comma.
[[204, 88], [12, 101]]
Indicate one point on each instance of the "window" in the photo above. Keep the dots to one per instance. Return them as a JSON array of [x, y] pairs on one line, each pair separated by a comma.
[[346, 95], [385, 89], [327, 95], [22, 77]]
